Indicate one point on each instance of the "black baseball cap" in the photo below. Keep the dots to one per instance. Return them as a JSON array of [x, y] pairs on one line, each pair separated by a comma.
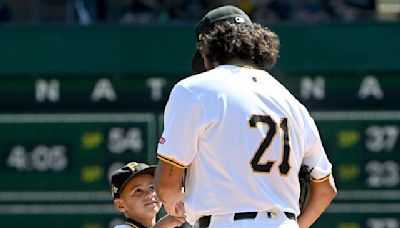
[[123, 175], [230, 13]]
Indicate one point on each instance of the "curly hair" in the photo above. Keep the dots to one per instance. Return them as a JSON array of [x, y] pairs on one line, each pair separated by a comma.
[[227, 40]]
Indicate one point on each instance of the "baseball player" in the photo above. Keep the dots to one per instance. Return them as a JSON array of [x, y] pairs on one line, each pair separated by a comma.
[[132, 188], [241, 135]]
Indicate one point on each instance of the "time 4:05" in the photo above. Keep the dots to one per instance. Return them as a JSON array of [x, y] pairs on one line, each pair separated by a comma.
[[41, 158]]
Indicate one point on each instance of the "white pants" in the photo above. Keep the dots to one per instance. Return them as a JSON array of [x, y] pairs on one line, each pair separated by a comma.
[[278, 220]]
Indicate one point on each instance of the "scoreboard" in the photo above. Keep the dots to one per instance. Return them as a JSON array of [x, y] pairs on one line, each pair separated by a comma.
[[62, 137], [364, 148], [73, 152], [77, 102], [55, 167]]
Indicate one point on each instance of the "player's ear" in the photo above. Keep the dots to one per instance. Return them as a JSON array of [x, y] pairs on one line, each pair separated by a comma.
[[207, 64], [119, 205]]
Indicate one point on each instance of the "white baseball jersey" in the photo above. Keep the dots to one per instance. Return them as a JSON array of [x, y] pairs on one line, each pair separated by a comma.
[[243, 137]]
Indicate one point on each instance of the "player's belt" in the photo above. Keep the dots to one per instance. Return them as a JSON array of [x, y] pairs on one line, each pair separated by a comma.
[[204, 221]]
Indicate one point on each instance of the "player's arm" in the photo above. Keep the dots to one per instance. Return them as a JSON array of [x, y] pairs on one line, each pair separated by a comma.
[[321, 195], [178, 147], [322, 187], [168, 185]]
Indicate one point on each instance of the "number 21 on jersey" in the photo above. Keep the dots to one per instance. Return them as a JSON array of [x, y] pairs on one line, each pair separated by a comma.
[[284, 166]]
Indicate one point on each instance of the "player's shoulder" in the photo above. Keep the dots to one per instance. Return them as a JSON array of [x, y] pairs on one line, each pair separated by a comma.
[[201, 83], [276, 84], [199, 79], [288, 96]]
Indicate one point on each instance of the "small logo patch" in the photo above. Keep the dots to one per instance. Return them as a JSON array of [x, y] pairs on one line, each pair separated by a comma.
[[239, 20], [162, 140], [114, 191]]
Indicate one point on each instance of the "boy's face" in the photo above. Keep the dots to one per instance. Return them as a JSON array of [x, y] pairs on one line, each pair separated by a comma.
[[138, 199]]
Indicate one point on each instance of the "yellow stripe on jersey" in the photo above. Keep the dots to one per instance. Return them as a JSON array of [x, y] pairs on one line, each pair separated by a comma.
[[321, 179], [170, 161], [132, 225]]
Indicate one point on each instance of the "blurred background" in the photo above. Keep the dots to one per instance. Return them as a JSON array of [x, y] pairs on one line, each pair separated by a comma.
[[83, 84]]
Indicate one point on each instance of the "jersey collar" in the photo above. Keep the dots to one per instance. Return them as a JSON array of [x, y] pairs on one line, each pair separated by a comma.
[[134, 223], [236, 67]]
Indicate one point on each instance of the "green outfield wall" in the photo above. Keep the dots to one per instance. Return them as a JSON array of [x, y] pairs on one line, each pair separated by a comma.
[[78, 102], [164, 49]]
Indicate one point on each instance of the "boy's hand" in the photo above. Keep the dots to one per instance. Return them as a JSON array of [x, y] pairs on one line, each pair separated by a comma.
[[175, 209], [180, 210]]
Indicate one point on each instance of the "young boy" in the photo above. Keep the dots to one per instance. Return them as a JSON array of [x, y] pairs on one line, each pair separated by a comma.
[[132, 188]]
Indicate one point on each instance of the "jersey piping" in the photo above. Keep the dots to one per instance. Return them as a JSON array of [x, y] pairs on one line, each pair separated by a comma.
[[170, 161], [134, 223], [321, 179]]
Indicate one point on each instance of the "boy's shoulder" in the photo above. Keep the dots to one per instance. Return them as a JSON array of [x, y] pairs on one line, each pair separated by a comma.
[[123, 226], [127, 226]]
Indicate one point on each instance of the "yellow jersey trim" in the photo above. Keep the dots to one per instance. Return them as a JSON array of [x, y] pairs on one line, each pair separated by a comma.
[[321, 179], [132, 225], [170, 161]]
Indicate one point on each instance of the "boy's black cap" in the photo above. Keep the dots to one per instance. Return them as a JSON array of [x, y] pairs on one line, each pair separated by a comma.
[[230, 13], [122, 176]]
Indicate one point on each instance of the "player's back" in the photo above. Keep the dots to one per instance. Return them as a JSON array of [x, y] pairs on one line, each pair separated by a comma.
[[250, 143]]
